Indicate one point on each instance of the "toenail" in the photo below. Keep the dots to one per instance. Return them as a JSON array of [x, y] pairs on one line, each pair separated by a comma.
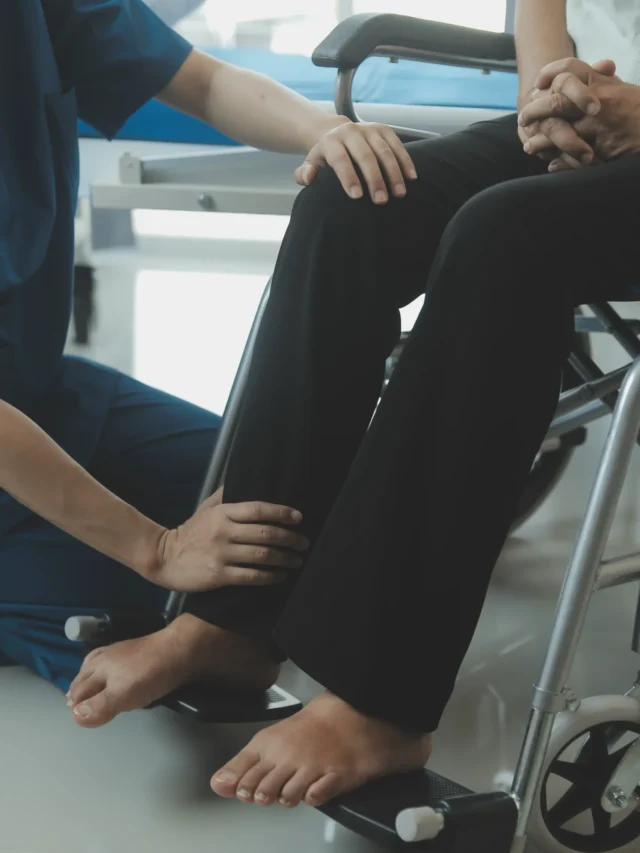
[[69, 703], [83, 710], [244, 795], [226, 776], [284, 802], [261, 798]]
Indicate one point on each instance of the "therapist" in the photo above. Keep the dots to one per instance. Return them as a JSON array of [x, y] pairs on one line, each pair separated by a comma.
[[102, 60]]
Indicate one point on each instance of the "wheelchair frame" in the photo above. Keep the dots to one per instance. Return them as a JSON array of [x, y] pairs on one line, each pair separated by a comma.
[[617, 391], [440, 825]]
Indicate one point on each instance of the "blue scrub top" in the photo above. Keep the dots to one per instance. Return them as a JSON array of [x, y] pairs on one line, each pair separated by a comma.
[[99, 60]]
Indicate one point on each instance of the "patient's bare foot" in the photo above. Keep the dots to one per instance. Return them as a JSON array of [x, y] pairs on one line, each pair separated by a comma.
[[134, 673], [323, 751]]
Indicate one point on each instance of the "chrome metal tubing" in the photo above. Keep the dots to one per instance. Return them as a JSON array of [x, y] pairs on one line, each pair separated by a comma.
[[215, 475], [345, 106], [590, 391], [581, 417], [580, 583], [619, 571]]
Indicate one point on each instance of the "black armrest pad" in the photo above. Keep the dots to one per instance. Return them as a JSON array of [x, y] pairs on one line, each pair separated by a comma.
[[357, 38]]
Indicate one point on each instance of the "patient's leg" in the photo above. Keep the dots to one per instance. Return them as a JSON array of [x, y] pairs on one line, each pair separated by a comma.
[[386, 607], [344, 270]]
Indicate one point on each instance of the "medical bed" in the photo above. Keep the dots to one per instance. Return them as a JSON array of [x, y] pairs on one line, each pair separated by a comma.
[[226, 177], [164, 160]]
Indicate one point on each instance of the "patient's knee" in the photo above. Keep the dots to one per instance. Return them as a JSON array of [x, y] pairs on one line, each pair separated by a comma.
[[326, 195]]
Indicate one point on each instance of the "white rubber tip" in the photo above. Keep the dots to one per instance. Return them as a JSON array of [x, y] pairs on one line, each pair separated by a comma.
[[81, 629], [419, 824]]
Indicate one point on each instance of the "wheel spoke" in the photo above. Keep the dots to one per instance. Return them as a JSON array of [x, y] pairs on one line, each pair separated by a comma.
[[570, 805], [566, 770], [601, 821]]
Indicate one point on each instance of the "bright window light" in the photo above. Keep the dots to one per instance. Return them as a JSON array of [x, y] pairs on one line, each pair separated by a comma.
[[190, 330], [210, 226], [486, 15]]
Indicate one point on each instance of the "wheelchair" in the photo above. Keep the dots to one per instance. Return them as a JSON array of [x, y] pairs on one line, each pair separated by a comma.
[[589, 748]]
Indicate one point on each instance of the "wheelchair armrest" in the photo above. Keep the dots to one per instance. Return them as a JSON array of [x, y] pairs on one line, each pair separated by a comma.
[[365, 35]]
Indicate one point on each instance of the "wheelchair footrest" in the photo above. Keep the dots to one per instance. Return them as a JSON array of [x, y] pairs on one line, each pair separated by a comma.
[[462, 822], [209, 704]]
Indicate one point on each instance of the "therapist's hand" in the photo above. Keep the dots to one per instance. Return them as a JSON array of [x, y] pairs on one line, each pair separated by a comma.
[[211, 548], [375, 149]]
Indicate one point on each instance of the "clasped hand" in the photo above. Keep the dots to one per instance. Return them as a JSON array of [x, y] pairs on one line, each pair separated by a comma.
[[580, 115]]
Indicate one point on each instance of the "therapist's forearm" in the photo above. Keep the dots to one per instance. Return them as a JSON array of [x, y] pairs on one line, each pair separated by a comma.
[[247, 106], [541, 38], [40, 475]]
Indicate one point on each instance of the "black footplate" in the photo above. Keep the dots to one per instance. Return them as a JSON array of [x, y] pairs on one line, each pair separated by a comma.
[[471, 823], [208, 704], [203, 702]]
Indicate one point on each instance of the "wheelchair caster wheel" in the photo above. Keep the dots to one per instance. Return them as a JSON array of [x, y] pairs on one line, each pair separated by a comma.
[[585, 749]]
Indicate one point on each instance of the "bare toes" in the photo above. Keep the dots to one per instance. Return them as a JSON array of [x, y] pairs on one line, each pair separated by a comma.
[[323, 790], [270, 789], [248, 784], [88, 688], [81, 677], [225, 782], [97, 711], [296, 788]]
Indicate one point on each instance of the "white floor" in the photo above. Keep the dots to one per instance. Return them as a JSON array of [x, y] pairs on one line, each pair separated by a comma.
[[175, 314]]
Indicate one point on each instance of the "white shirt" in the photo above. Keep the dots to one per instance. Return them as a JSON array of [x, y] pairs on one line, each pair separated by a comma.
[[607, 29]]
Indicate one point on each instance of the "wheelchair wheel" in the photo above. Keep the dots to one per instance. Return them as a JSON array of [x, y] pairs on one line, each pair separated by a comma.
[[585, 749]]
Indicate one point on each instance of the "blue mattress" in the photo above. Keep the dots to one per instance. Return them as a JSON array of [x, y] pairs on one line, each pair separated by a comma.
[[377, 82]]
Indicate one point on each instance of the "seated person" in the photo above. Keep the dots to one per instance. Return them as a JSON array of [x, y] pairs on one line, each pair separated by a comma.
[[103, 59], [407, 517]]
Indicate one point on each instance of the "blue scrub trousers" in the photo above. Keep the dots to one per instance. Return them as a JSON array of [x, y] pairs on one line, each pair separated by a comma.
[[153, 452]]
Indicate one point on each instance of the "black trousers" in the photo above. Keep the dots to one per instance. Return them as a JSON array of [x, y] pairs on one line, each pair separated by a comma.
[[408, 517]]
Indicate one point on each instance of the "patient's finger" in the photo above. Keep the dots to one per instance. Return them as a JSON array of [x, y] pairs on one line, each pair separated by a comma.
[[538, 144], [553, 105], [578, 67], [568, 140], [571, 87], [561, 135], [559, 165], [541, 146]]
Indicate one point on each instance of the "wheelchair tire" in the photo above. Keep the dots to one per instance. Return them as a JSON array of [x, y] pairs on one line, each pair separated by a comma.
[[567, 816]]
